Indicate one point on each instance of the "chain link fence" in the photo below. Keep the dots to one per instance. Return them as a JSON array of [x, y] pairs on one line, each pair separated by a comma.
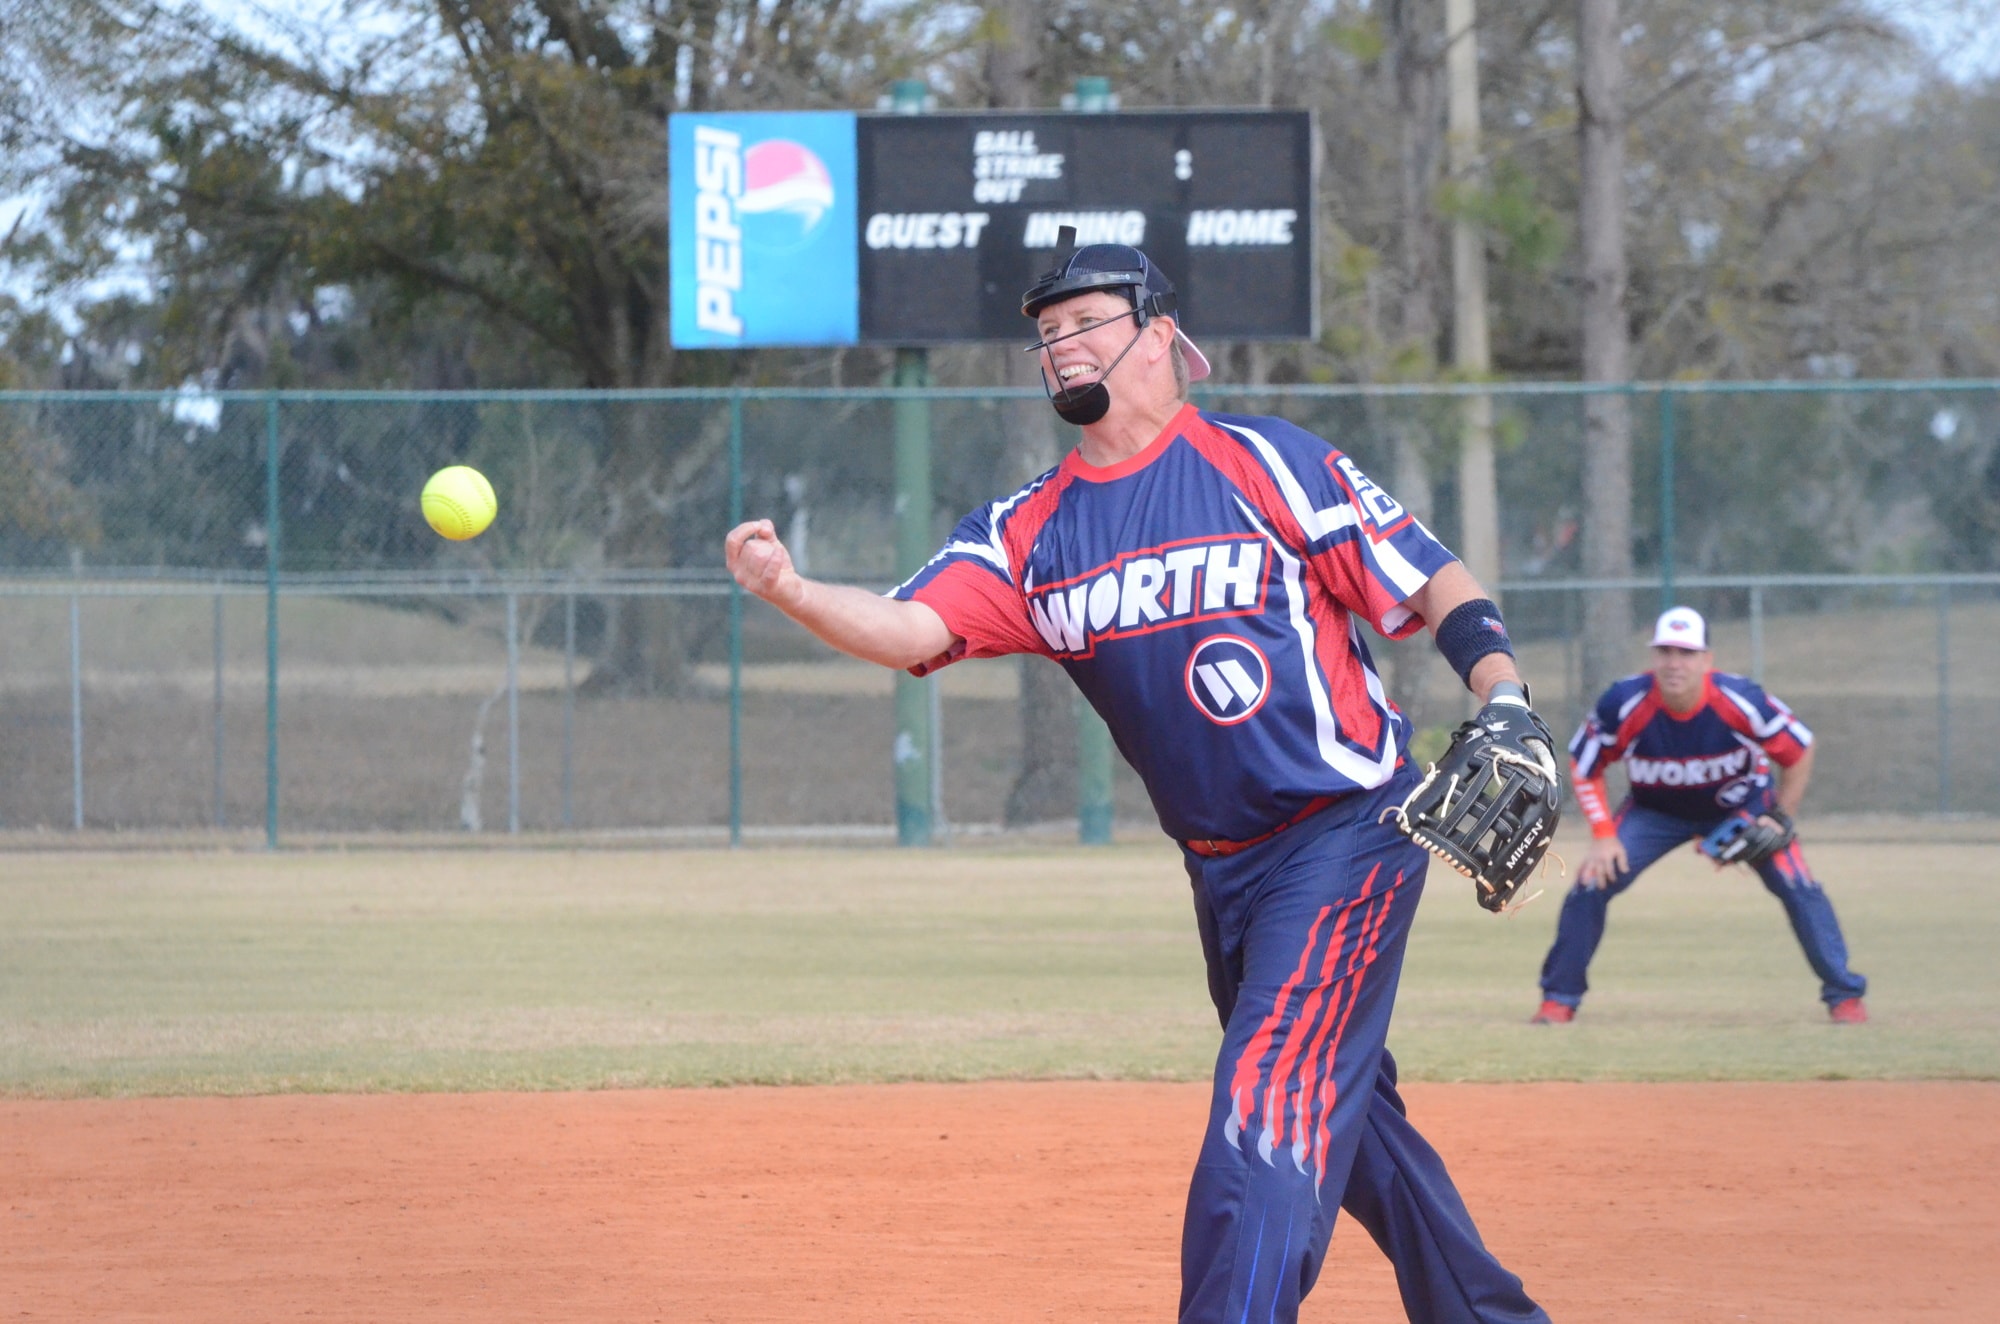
[[223, 613]]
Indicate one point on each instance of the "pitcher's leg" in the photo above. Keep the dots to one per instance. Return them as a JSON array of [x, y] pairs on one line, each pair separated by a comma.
[[1399, 1190], [1294, 1079], [1224, 960], [1787, 877]]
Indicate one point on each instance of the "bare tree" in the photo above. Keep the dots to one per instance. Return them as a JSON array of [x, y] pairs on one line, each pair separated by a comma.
[[1607, 439]]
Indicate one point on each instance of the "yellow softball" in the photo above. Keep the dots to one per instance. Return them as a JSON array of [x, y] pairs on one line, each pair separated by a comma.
[[459, 502]]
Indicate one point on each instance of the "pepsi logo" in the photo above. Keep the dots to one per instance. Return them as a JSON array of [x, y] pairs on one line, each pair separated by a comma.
[[787, 192], [1228, 678]]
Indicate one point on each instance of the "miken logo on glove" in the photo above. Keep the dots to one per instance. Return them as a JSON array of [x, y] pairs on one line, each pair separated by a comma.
[[1490, 806]]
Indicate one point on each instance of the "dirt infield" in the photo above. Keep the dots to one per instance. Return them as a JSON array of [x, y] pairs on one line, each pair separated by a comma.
[[1617, 1203]]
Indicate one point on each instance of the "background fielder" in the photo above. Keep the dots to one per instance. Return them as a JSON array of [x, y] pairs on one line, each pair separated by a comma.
[[1698, 746]]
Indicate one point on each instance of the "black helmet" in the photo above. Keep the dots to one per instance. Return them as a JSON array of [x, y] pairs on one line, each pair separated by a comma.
[[1102, 267], [1118, 267]]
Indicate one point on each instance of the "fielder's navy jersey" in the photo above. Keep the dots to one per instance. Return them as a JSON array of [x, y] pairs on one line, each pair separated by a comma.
[[1697, 765], [1205, 595]]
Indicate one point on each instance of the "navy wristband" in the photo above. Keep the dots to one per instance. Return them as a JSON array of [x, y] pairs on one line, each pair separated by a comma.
[[1471, 631]]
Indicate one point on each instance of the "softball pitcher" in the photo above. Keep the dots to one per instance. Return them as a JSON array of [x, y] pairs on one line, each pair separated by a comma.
[[1204, 578]]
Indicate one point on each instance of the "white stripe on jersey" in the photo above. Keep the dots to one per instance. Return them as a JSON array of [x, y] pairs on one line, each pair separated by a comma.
[[1375, 688], [1592, 752], [1800, 731], [993, 551], [950, 549], [1406, 577], [1364, 772], [1317, 524], [1594, 738], [1766, 729], [985, 551]]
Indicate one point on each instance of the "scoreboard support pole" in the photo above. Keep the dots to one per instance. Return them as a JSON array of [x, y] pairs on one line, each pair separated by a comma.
[[1093, 777], [913, 547], [913, 747], [916, 701]]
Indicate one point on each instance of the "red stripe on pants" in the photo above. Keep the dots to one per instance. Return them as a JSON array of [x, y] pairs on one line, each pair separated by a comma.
[[1248, 1071]]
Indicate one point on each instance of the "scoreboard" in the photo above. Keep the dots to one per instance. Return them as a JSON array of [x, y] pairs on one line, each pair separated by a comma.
[[822, 228], [959, 215]]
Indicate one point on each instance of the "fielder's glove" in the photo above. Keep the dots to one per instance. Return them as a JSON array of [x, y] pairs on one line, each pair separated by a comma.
[[1748, 839], [1489, 807]]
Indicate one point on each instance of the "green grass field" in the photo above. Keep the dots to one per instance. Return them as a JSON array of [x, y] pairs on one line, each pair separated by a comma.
[[146, 973]]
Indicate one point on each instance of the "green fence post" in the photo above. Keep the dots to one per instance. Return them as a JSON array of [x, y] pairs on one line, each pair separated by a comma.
[[76, 689], [735, 628], [1093, 776], [1757, 633], [220, 815], [569, 708], [912, 750], [513, 713], [1666, 498], [271, 528], [1944, 697]]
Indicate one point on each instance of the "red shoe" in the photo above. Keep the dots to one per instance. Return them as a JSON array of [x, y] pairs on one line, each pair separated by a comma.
[[1848, 1011], [1561, 1013]]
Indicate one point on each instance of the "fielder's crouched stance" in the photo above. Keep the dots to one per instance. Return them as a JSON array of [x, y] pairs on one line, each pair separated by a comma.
[[1199, 576], [1698, 745]]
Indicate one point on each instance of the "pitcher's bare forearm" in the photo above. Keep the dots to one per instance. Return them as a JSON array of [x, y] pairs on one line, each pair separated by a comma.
[[853, 620], [1489, 671], [875, 629]]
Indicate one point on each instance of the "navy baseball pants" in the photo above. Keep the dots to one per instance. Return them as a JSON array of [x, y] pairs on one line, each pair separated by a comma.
[[1304, 938], [1647, 834]]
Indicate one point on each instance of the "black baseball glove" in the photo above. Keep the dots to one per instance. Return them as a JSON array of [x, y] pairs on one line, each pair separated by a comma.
[[1489, 807], [1748, 839]]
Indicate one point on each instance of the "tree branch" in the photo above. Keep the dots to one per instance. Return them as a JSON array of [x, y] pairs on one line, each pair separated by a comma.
[[1762, 49]]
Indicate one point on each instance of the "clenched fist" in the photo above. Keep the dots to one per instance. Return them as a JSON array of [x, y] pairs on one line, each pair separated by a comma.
[[760, 563]]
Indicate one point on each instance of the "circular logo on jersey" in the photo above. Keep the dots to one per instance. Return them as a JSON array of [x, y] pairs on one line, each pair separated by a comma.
[[1736, 792], [787, 192], [1228, 678]]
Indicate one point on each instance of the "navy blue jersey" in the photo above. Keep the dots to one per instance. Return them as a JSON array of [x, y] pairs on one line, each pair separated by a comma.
[[1699, 764], [1206, 596]]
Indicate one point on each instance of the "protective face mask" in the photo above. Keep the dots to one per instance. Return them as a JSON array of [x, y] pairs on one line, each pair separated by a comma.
[[1082, 405]]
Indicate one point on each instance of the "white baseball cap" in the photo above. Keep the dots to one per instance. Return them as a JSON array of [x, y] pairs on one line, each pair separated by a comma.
[[1681, 627]]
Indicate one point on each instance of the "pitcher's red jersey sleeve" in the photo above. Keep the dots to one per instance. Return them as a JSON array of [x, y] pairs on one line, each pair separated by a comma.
[[971, 584]]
